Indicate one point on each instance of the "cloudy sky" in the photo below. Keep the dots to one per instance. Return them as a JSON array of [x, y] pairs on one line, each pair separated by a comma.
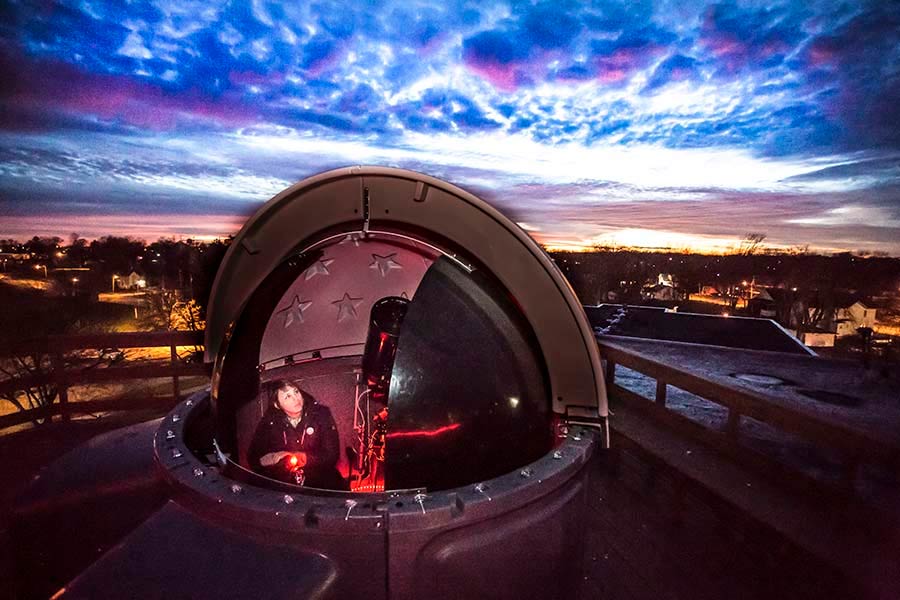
[[674, 123]]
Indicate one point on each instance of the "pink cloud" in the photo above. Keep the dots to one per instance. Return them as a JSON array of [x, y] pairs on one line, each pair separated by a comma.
[[247, 78], [139, 226], [611, 74], [502, 77], [325, 63], [736, 51], [50, 88], [624, 62], [773, 47], [724, 45], [821, 55]]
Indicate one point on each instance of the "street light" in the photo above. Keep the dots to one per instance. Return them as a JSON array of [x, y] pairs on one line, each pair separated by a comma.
[[114, 277], [39, 267]]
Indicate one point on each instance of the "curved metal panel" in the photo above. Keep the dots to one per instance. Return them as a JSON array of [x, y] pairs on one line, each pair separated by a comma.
[[468, 399], [404, 201], [328, 304], [332, 199], [509, 254]]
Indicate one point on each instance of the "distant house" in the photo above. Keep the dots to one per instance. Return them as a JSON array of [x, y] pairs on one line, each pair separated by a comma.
[[15, 256], [132, 281], [793, 310], [847, 318], [666, 279], [850, 318], [762, 304], [818, 339], [664, 289], [660, 292]]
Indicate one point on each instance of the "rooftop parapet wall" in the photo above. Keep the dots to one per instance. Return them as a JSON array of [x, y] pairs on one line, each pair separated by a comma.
[[807, 447]]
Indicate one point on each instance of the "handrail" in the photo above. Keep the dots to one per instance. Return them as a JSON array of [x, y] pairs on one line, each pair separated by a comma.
[[64, 376], [857, 446], [741, 402]]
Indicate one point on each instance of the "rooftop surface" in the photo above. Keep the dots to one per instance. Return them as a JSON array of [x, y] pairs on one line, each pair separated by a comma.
[[657, 323], [838, 393]]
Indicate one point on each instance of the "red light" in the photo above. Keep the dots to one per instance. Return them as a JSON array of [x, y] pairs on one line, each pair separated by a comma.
[[425, 433], [293, 460]]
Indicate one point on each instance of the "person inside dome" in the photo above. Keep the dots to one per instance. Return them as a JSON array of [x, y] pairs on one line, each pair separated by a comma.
[[297, 440]]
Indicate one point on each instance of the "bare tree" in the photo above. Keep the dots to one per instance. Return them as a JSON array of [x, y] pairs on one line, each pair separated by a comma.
[[185, 316], [160, 304], [751, 243], [810, 318], [26, 383]]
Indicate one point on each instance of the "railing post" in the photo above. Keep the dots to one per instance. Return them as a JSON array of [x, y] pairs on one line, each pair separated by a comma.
[[58, 373], [610, 374], [733, 423], [661, 387], [174, 360]]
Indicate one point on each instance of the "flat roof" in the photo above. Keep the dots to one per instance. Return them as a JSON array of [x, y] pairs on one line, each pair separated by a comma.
[[713, 330]]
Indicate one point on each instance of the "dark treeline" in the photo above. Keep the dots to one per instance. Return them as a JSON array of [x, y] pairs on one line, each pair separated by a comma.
[[53, 286], [186, 265], [620, 276], [603, 275]]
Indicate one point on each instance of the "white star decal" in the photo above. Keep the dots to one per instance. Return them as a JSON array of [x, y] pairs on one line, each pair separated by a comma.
[[384, 264], [320, 267], [347, 308], [351, 238], [294, 312]]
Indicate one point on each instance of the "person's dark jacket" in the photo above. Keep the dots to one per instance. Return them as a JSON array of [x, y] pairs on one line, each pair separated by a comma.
[[315, 434]]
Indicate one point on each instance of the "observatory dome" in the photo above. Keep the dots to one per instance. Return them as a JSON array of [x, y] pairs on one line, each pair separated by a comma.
[[377, 329]]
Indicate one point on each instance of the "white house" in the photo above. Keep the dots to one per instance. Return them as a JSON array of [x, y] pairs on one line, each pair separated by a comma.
[[848, 319], [131, 281], [818, 339]]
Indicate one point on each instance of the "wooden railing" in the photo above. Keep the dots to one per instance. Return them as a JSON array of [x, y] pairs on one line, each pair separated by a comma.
[[855, 447], [63, 375]]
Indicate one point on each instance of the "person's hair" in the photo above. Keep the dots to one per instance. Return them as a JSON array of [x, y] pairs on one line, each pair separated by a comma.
[[274, 386]]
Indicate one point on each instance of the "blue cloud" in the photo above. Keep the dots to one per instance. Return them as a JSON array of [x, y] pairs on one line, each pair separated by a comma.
[[617, 15], [453, 108], [241, 15], [579, 72], [548, 26], [301, 117], [677, 67], [493, 47], [781, 78], [600, 130], [860, 58], [316, 51], [739, 38]]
